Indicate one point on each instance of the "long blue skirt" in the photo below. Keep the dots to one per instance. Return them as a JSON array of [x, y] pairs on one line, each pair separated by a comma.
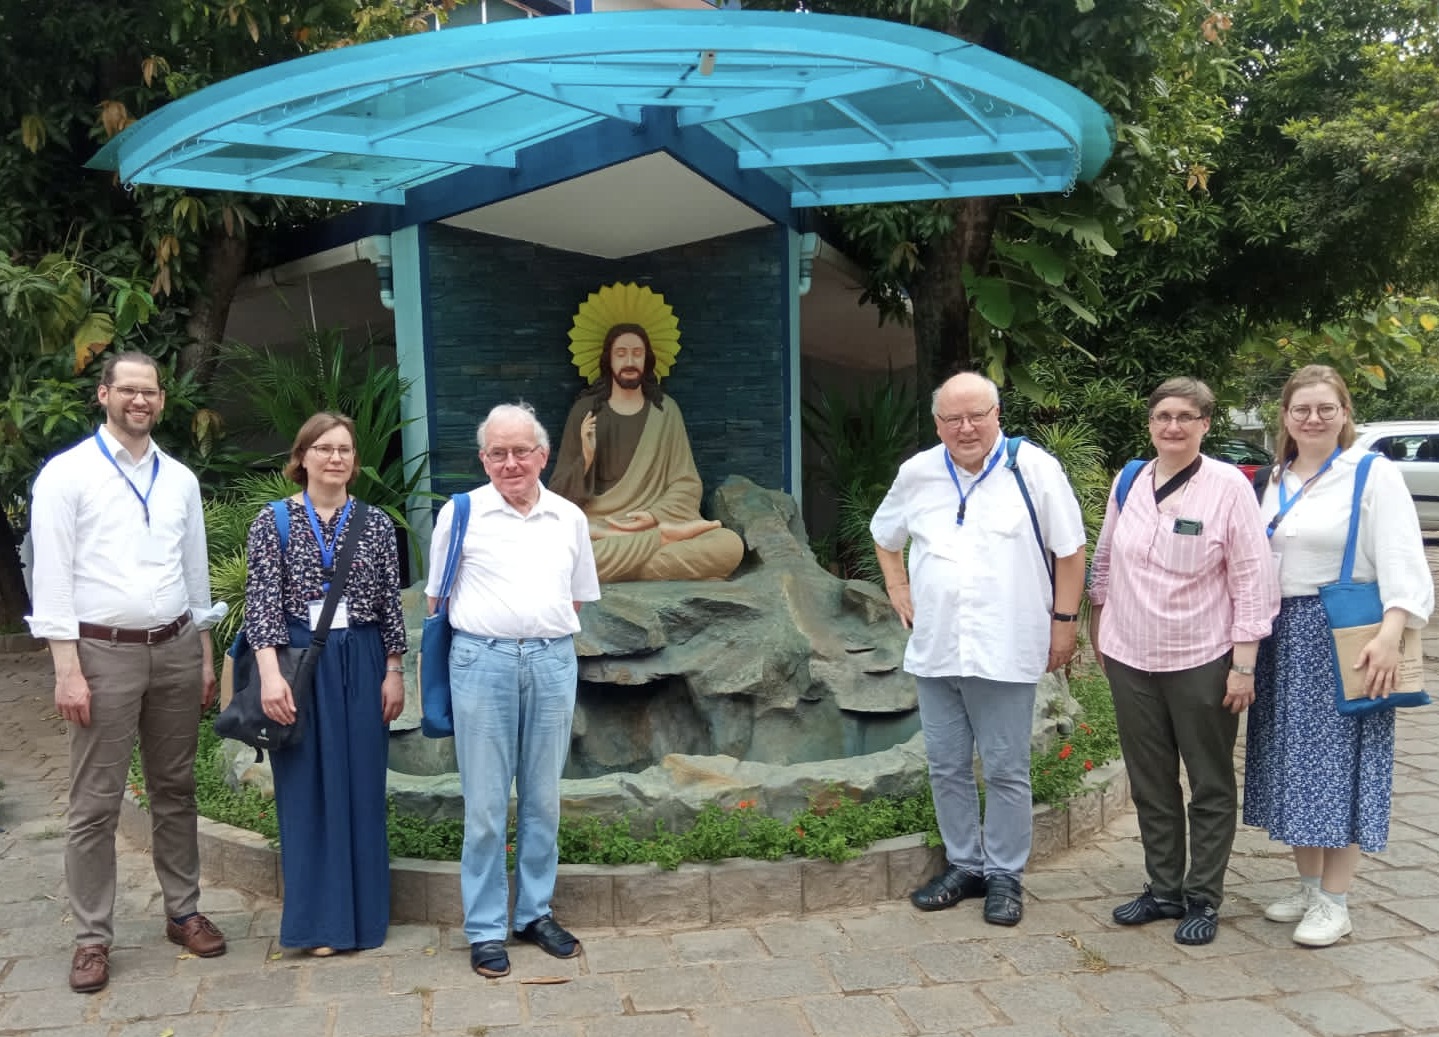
[[330, 800], [1312, 776]]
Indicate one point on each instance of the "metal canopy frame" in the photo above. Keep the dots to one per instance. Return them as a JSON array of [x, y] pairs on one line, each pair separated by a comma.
[[834, 110]]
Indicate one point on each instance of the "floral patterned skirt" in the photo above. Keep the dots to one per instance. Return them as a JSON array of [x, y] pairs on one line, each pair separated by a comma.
[[1311, 776]]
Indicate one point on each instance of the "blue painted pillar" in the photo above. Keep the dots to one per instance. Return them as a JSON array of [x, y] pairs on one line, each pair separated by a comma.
[[793, 470], [412, 350]]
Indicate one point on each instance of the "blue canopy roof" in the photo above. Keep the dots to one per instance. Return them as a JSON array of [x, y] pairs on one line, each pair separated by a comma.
[[834, 110]]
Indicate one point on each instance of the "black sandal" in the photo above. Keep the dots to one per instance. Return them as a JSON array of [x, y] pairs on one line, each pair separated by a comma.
[[947, 888], [1004, 900]]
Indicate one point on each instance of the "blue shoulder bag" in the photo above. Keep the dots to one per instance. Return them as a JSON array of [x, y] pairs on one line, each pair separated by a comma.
[[437, 714], [1349, 604]]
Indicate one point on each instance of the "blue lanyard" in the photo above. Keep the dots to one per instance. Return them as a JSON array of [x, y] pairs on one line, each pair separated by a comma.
[[143, 498], [954, 476], [1286, 502], [327, 551]]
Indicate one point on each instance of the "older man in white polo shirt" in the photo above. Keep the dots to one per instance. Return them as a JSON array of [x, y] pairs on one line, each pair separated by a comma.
[[525, 567], [988, 623]]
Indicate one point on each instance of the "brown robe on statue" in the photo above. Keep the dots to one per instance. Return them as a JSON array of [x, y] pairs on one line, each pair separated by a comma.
[[660, 478]]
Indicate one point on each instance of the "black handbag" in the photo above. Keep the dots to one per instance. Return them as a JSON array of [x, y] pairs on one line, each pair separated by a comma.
[[243, 719]]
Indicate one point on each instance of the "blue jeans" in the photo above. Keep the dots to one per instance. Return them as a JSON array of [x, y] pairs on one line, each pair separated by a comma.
[[514, 701], [960, 714]]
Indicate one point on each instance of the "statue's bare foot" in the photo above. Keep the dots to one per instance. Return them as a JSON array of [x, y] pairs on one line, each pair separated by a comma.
[[674, 532]]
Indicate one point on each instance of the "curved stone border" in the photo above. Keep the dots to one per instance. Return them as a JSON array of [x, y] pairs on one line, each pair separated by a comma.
[[733, 890]]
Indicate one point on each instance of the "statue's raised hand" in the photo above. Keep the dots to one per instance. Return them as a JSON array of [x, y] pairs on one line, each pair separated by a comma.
[[587, 439]]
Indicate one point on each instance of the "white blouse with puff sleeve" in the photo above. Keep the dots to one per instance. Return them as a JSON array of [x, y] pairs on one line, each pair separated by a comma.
[[1309, 543]]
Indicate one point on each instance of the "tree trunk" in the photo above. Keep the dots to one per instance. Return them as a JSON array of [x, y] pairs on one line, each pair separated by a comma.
[[941, 304], [225, 258], [14, 602]]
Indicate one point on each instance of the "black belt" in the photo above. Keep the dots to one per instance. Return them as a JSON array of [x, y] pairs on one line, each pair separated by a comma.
[[119, 636]]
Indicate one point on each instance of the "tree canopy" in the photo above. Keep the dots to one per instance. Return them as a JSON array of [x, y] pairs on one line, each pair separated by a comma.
[[87, 264]]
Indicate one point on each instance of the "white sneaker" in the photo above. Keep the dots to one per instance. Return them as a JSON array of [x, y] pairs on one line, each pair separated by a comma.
[[1293, 907], [1324, 923]]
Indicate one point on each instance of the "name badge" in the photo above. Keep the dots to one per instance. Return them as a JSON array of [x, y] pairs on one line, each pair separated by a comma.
[[1188, 527], [341, 618]]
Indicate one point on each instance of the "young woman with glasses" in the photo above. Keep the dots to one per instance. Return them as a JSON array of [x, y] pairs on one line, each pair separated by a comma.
[[1315, 779], [330, 788]]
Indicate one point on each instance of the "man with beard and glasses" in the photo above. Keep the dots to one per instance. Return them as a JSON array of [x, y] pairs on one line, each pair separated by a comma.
[[625, 460], [122, 595]]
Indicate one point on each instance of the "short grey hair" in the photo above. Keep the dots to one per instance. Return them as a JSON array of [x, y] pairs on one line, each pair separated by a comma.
[[1185, 388], [518, 409], [934, 397]]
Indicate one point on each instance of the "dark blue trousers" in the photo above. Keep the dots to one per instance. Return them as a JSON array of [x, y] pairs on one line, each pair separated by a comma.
[[330, 799]]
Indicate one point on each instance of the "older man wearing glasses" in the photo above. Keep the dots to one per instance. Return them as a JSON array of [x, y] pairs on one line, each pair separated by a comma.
[[992, 587], [525, 566]]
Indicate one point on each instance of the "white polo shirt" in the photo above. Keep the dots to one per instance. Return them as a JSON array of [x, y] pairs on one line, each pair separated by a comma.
[[981, 592], [519, 575]]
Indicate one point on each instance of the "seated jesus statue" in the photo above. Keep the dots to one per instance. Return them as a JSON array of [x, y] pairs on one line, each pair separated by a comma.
[[625, 459]]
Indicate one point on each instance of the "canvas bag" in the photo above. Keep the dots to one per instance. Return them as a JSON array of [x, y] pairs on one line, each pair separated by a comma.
[[437, 715], [1355, 612]]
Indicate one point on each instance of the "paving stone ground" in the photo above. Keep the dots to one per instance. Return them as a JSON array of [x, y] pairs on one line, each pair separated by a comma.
[[1065, 971]]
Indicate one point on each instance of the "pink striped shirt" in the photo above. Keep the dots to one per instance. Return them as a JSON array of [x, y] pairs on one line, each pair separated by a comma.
[[1173, 601]]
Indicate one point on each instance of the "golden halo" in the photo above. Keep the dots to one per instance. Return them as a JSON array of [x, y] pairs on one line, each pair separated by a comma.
[[623, 304]]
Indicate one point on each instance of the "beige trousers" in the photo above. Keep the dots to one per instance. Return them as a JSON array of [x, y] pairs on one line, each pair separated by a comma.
[[152, 692]]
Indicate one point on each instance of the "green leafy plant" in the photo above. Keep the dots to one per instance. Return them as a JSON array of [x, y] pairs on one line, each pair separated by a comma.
[[1058, 773], [1076, 444], [281, 392], [859, 440], [228, 517]]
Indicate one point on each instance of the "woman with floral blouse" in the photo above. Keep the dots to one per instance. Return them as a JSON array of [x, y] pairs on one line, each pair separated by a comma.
[[330, 788]]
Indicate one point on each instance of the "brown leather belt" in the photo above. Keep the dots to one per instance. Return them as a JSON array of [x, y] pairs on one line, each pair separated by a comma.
[[118, 636]]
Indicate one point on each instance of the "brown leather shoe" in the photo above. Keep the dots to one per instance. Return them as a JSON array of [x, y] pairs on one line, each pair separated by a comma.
[[90, 968], [198, 935]]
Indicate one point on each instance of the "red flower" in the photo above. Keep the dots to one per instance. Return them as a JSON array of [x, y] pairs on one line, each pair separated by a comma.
[[1089, 765], [1064, 753], [799, 831], [745, 804], [1086, 728]]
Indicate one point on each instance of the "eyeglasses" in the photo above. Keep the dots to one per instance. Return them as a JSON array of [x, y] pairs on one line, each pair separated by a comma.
[[1326, 411], [957, 421], [327, 452], [129, 392], [519, 453], [1182, 420]]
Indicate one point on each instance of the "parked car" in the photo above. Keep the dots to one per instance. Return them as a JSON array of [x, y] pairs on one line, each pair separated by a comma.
[[1414, 447], [1250, 457]]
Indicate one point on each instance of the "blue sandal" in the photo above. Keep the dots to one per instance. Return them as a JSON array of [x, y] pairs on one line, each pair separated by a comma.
[[489, 959]]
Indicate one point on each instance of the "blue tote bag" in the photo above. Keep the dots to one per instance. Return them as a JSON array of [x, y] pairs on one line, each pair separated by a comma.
[[437, 715], [1349, 604]]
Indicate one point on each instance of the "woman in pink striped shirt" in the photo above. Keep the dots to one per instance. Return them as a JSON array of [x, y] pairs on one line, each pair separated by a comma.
[[1182, 591]]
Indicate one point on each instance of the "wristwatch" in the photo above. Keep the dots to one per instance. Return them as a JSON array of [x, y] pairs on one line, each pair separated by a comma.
[[1065, 617], [1243, 671]]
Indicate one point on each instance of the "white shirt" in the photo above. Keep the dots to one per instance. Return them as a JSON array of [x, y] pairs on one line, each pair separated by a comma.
[[96, 558], [519, 575], [981, 592], [1309, 543]]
